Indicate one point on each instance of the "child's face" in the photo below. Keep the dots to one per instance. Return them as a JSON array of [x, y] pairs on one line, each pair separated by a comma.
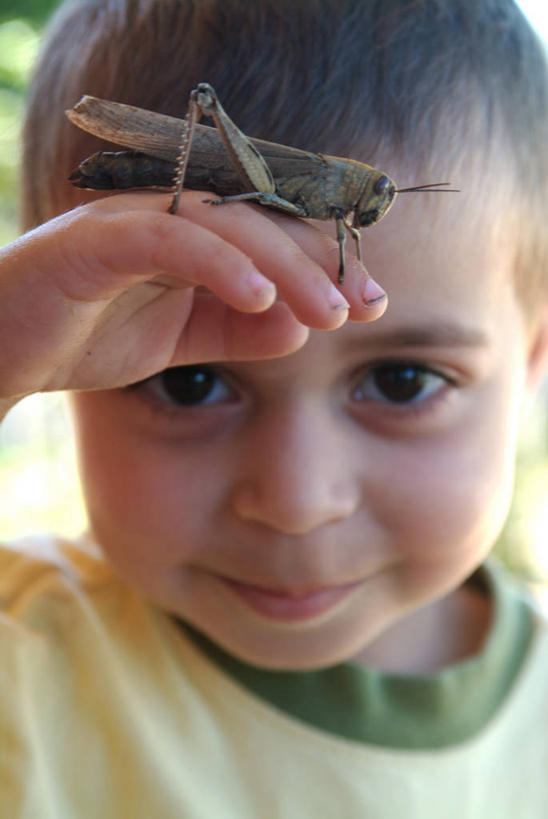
[[295, 508]]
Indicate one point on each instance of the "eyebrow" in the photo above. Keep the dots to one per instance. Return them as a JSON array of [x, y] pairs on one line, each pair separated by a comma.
[[442, 334]]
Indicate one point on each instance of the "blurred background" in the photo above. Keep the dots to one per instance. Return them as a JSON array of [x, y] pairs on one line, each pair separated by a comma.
[[39, 488]]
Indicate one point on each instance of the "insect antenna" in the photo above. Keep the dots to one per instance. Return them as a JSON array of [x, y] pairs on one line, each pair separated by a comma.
[[428, 188]]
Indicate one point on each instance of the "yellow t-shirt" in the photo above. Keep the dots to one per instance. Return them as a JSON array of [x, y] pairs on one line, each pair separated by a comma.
[[108, 710]]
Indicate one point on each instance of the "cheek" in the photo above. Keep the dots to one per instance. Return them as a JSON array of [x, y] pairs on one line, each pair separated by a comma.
[[145, 499], [452, 492], [456, 502]]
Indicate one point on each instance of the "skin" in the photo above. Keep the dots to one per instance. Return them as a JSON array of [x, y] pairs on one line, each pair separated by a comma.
[[105, 294], [299, 515]]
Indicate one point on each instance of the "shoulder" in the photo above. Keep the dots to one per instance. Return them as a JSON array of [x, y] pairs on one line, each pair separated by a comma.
[[39, 570], [525, 707]]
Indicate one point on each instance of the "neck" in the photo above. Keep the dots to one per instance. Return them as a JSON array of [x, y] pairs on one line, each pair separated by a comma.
[[440, 634]]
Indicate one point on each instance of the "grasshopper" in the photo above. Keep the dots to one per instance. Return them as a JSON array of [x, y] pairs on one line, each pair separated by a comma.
[[168, 152]]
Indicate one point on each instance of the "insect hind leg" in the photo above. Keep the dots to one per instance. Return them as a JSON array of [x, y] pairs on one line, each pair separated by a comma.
[[189, 125]]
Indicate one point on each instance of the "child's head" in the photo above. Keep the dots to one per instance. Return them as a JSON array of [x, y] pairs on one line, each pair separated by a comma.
[[294, 509], [434, 88]]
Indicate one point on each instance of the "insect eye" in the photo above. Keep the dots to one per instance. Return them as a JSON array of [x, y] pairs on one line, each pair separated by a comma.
[[381, 185]]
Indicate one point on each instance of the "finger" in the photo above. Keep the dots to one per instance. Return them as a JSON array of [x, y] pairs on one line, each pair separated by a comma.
[[300, 280], [216, 332], [367, 299], [102, 249], [179, 248]]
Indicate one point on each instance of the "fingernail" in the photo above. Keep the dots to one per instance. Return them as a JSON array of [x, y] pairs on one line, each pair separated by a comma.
[[260, 285], [372, 292], [336, 299]]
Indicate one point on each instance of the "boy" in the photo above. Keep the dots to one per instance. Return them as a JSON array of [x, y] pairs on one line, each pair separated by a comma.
[[286, 612]]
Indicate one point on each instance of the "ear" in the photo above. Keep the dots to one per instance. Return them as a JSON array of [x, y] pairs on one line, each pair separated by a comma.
[[537, 361]]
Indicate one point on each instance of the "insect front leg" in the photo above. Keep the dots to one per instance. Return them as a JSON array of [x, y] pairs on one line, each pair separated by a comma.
[[341, 239], [356, 235], [342, 226]]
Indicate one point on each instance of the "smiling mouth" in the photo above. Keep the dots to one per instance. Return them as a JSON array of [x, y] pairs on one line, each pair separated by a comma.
[[288, 605]]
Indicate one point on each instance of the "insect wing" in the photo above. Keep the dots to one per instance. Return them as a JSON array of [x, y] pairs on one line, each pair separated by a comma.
[[155, 134], [159, 135]]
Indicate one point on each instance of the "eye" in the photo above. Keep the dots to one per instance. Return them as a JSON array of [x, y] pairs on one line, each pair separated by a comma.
[[381, 185], [399, 383], [191, 386]]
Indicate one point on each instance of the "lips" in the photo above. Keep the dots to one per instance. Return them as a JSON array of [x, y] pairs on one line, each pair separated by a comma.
[[288, 605]]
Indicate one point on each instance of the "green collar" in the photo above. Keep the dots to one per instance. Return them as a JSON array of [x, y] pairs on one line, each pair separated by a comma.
[[399, 710]]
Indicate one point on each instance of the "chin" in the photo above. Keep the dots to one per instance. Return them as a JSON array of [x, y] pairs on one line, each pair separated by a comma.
[[288, 651]]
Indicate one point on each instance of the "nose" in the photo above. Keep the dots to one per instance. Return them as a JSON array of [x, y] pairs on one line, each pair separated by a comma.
[[296, 473]]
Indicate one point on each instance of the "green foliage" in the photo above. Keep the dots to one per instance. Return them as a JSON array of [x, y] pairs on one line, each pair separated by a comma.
[[18, 44], [18, 48], [35, 12]]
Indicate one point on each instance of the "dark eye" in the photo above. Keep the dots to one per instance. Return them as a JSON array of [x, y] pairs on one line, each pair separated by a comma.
[[399, 383], [381, 185], [190, 386]]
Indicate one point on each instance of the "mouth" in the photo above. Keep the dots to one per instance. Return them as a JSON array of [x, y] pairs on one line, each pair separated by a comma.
[[289, 605]]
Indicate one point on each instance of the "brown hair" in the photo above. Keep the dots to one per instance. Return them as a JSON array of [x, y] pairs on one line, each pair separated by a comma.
[[418, 79]]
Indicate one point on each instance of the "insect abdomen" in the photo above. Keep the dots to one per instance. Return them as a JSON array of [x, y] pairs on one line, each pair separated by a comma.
[[120, 170]]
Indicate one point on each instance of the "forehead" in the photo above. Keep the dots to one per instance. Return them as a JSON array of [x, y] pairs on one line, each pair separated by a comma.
[[451, 300], [448, 269], [436, 253], [474, 227]]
